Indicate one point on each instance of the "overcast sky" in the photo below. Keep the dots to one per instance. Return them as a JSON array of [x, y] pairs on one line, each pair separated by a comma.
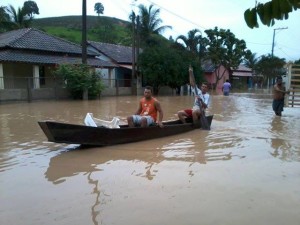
[[186, 15]]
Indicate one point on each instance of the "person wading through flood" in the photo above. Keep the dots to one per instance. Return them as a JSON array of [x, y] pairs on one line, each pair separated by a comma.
[[204, 98], [278, 96], [226, 88], [147, 111]]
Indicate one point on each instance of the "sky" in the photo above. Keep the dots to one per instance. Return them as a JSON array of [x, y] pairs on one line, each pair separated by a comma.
[[187, 15]]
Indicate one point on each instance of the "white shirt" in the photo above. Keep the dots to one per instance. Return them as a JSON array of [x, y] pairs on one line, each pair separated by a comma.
[[205, 97]]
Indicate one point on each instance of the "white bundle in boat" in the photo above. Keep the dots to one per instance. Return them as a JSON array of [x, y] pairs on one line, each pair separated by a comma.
[[89, 120]]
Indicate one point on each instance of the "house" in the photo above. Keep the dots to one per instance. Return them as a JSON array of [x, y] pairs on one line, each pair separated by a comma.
[[210, 74], [119, 55], [240, 77], [27, 59]]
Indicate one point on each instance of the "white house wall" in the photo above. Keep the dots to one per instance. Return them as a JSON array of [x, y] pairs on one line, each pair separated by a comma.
[[108, 76]]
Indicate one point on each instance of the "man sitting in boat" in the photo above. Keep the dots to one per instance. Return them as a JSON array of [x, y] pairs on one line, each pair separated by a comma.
[[202, 96], [147, 111]]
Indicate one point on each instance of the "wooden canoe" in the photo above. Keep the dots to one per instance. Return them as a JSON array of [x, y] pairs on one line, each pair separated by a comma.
[[101, 136]]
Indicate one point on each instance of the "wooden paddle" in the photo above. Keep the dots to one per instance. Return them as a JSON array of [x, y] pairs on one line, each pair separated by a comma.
[[204, 123]]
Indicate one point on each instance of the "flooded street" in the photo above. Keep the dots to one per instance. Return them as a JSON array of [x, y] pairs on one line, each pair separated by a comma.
[[244, 171]]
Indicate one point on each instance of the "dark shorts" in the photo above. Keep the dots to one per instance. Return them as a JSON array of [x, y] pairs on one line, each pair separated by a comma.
[[278, 105]]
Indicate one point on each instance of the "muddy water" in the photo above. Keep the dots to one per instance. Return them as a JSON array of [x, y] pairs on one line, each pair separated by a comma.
[[245, 170]]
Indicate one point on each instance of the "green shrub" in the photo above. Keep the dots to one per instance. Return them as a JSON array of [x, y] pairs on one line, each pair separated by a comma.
[[79, 78]]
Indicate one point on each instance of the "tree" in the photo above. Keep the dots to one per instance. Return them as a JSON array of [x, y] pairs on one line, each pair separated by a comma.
[[270, 66], [30, 8], [99, 8], [251, 61], [149, 21], [163, 65], [20, 18], [270, 11], [193, 42], [224, 49], [79, 78], [5, 23]]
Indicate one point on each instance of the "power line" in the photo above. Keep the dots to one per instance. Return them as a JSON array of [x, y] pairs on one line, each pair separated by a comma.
[[179, 16], [281, 28]]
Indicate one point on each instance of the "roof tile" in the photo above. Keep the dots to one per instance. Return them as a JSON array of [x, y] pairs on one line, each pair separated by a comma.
[[119, 53], [33, 39]]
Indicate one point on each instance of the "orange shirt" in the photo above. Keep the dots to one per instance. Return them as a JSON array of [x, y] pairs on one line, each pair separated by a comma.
[[148, 108]]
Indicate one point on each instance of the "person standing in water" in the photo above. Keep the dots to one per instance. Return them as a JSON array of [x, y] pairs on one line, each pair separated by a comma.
[[278, 96], [226, 88]]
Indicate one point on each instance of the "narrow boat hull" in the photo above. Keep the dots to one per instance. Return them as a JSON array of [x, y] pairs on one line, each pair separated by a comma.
[[100, 136]]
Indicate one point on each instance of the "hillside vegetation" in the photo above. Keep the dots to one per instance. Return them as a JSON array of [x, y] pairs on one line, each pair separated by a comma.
[[99, 28]]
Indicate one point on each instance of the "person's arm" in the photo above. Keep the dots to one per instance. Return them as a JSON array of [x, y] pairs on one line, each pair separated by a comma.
[[160, 113], [191, 77], [282, 91], [206, 101], [139, 110]]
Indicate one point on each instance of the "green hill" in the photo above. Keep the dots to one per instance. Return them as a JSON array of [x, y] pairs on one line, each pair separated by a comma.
[[99, 28]]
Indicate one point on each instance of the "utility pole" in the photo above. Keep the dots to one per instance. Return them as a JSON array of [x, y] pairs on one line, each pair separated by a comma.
[[83, 41], [85, 95], [133, 85], [282, 28]]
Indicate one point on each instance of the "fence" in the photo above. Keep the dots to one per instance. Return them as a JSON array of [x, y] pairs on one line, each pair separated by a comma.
[[294, 85], [29, 88]]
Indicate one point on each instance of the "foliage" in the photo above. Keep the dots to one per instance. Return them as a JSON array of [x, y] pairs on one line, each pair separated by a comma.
[[194, 43], [79, 78], [102, 29], [5, 23], [297, 61], [251, 62], [269, 66], [270, 11], [30, 8], [224, 49], [163, 65], [99, 8], [11, 18], [149, 21]]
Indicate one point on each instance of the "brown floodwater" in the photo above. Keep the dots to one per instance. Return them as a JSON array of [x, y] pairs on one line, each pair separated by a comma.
[[245, 170]]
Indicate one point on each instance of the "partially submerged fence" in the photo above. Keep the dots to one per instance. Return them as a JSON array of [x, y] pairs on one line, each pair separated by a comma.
[[294, 85], [29, 88]]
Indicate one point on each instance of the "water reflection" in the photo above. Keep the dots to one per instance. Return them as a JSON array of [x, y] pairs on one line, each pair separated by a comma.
[[96, 191], [175, 148], [283, 145]]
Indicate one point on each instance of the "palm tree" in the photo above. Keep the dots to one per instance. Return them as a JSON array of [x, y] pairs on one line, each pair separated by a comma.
[[10, 18], [4, 20], [193, 42], [18, 18], [150, 21], [99, 8], [251, 62]]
